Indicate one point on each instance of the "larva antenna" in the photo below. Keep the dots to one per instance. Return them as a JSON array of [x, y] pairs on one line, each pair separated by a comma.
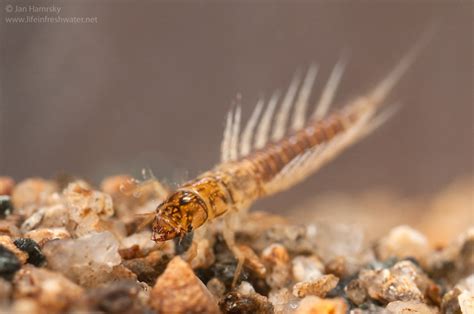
[[380, 92]]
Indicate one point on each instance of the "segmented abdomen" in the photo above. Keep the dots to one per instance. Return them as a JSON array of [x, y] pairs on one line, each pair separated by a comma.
[[270, 160]]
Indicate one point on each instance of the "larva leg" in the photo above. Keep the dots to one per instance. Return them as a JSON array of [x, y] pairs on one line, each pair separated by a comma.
[[231, 223]]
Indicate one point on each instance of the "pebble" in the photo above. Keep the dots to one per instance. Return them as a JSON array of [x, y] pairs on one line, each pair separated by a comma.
[[51, 290], [35, 256], [6, 185], [91, 256], [316, 305], [9, 263], [297, 239], [249, 303], [147, 269], [216, 287], [43, 235], [334, 240], [401, 242], [466, 302], [283, 301], [88, 208], [277, 261], [356, 292], [318, 287], [6, 206], [178, 290], [404, 281], [117, 297], [204, 255], [9, 228], [31, 193], [306, 268], [141, 239], [409, 307], [252, 261], [8, 243]]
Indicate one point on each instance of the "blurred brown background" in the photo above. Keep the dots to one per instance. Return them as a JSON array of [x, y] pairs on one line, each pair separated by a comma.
[[150, 83]]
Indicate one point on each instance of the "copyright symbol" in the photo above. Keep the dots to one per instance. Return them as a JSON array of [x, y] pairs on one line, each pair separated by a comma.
[[9, 8]]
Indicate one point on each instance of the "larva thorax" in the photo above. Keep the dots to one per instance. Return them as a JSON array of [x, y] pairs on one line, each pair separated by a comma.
[[211, 195]]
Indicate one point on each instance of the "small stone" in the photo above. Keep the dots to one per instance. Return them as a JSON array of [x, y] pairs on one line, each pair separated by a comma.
[[333, 240], [318, 287], [35, 256], [141, 239], [356, 292], [466, 302], [216, 287], [306, 268], [55, 216], [33, 221], [26, 305], [455, 261], [277, 261], [178, 290], [117, 297], [297, 239], [32, 192], [9, 263], [6, 206], [338, 267], [450, 302], [82, 199], [402, 242], [87, 257], [252, 261], [43, 235], [283, 301], [236, 302], [404, 281], [51, 290], [148, 268], [7, 242], [88, 208], [410, 307], [5, 293], [6, 185], [315, 305], [204, 255], [9, 228]]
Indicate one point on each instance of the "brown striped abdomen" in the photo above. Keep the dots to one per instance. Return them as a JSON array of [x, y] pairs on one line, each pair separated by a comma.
[[271, 159]]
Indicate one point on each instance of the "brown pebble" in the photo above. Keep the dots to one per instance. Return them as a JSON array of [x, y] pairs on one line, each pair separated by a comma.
[[7, 242], [178, 290], [51, 290], [277, 260], [318, 287], [43, 235], [337, 266], [450, 302], [252, 261], [237, 302], [356, 292], [6, 185], [34, 191], [315, 305]]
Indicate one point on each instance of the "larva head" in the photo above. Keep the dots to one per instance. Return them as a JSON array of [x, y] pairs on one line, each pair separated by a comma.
[[180, 213]]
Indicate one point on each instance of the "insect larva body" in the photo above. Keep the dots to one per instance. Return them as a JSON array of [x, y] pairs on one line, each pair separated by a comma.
[[261, 160]]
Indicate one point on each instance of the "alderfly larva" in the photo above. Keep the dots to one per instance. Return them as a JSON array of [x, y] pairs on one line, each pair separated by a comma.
[[267, 157]]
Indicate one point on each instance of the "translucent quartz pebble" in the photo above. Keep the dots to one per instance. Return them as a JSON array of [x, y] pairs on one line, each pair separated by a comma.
[[306, 268], [94, 248], [403, 241]]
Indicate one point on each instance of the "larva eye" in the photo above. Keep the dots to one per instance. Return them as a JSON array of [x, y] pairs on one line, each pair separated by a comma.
[[185, 200]]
